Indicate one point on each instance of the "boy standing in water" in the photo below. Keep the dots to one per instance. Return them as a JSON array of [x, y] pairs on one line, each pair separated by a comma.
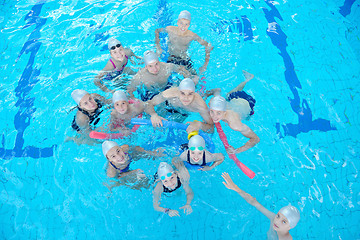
[[180, 38], [280, 223]]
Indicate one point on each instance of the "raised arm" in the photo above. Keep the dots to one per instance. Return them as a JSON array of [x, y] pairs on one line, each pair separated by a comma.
[[157, 40], [247, 197], [208, 49]]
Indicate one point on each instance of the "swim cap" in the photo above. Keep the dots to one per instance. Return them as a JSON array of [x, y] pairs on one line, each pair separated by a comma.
[[164, 168], [196, 141], [107, 145], [187, 84], [78, 94], [119, 96], [292, 214], [185, 14], [150, 57], [113, 42], [218, 103]]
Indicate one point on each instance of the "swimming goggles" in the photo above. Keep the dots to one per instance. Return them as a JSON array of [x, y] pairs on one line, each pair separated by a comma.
[[166, 176], [198, 148], [117, 46]]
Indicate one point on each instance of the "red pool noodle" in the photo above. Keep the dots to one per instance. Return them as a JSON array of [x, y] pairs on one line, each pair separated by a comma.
[[224, 140]]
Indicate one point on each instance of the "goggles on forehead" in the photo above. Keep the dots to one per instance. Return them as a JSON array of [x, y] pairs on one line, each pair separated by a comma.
[[166, 176], [116, 46], [198, 148]]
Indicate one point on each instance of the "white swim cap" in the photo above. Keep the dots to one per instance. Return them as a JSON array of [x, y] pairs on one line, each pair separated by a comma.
[[218, 103], [78, 94], [107, 145], [187, 84], [196, 141], [241, 106], [113, 42], [150, 57], [119, 96], [292, 214], [164, 169], [185, 14]]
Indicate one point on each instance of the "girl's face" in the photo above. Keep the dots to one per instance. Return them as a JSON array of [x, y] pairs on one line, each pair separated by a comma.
[[116, 155], [186, 97], [118, 53], [88, 103], [153, 67], [196, 155], [281, 223], [217, 115], [183, 24], [121, 106], [170, 182]]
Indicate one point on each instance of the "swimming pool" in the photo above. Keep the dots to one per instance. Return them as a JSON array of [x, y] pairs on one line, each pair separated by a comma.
[[305, 56]]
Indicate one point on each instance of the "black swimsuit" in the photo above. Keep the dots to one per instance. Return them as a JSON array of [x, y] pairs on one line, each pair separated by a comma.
[[93, 119], [203, 160]]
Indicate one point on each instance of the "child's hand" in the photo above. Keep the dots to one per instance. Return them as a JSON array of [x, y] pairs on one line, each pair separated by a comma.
[[159, 152], [229, 182], [231, 150], [173, 213], [187, 209], [205, 168]]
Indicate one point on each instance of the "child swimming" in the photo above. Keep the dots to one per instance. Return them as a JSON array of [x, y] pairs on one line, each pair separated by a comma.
[[120, 157], [197, 155], [182, 98], [154, 76], [233, 114], [117, 64], [280, 223], [180, 38], [169, 180], [123, 112]]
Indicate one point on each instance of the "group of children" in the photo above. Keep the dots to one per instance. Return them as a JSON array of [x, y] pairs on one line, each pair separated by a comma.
[[161, 99]]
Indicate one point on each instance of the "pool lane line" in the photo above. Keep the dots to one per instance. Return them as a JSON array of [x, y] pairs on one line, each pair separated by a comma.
[[346, 8], [300, 107], [27, 81]]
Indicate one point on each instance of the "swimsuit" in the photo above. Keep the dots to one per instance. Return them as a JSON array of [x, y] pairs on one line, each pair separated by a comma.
[[93, 119], [179, 61], [166, 190], [122, 66], [243, 95], [203, 160]]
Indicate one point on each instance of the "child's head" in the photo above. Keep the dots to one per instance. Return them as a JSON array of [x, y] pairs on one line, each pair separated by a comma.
[[187, 91], [117, 51], [120, 101], [286, 219], [152, 63], [196, 148], [217, 108], [84, 100], [113, 152], [167, 175], [184, 20]]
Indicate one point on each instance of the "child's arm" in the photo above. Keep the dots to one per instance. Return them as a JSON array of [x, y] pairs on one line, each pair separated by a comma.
[[157, 40], [97, 80], [247, 197], [156, 120], [156, 202], [208, 49], [219, 158], [208, 93]]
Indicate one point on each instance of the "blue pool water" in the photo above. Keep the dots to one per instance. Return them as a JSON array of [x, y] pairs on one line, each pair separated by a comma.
[[305, 58]]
